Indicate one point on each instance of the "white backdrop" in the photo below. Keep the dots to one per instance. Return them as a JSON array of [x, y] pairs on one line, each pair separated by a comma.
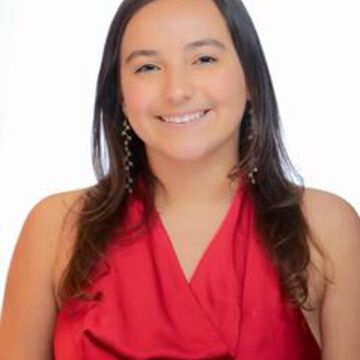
[[50, 55]]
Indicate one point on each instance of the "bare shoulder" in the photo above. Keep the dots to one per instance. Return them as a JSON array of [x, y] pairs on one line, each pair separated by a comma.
[[55, 211], [57, 214], [318, 203], [61, 209], [335, 225], [29, 293], [59, 203], [65, 208], [334, 221]]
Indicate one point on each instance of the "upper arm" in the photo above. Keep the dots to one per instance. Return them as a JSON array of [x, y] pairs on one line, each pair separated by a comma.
[[29, 307], [337, 228]]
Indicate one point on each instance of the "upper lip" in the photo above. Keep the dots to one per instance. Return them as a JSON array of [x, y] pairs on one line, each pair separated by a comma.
[[185, 113]]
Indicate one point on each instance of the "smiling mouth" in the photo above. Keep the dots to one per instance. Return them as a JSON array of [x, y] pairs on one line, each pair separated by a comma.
[[183, 119]]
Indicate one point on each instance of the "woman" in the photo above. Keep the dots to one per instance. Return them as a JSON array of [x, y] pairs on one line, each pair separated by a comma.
[[195, 243]]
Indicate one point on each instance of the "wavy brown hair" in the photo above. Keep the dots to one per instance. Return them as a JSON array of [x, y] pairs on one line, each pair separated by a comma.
[[277, 193]]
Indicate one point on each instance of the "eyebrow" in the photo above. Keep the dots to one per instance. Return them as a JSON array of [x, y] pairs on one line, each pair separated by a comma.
[[193, 45]]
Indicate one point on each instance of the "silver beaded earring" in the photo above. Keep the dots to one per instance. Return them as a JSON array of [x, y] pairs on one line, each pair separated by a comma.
[[128, 164], [251, 174]]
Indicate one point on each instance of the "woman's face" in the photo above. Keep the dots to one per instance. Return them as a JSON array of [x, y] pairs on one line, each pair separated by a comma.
[[176, 58]]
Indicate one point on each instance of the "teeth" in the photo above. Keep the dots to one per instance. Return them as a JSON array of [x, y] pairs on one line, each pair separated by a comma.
[[184, 118]]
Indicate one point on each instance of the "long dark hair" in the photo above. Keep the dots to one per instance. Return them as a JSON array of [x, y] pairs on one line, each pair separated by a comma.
[[277, 192]]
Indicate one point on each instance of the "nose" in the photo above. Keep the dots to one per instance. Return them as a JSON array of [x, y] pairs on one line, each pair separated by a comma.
[[178, 86]]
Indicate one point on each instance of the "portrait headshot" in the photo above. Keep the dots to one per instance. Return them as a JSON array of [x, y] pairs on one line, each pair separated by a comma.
[[180, 180]]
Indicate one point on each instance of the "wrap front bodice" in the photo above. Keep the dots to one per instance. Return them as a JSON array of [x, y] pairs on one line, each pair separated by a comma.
[[233, 306]]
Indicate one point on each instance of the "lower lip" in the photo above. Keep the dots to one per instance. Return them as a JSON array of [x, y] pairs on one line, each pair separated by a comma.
[[189, 124]]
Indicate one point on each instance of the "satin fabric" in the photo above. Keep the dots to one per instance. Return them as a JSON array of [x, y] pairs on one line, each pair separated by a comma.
[[145, 308]]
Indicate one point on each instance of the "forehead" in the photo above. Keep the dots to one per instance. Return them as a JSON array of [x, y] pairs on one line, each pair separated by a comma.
[[169, 23]]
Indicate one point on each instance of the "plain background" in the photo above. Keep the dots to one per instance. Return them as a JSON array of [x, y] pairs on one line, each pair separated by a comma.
[[50, 56]]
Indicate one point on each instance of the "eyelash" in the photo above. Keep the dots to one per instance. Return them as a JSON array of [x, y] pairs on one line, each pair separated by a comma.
[[139, 70]]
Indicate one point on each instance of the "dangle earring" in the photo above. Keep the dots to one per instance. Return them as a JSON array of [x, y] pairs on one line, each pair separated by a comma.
[[250, 137], [128, 164], [251, 175]]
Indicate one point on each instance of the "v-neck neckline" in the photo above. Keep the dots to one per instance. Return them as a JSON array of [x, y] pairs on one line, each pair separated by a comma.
[[206, 253]]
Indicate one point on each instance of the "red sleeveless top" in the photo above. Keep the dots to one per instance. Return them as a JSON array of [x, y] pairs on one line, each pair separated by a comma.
[[145, 308]]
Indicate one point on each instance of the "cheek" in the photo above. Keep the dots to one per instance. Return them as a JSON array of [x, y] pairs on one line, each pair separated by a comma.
[[137, 99], [229, 91]]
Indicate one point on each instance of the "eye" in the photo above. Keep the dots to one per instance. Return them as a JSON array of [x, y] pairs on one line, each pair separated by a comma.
[[146, 66], [207, 59]]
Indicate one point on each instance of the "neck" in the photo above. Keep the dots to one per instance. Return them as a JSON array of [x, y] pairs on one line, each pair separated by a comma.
[[192, 184]]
